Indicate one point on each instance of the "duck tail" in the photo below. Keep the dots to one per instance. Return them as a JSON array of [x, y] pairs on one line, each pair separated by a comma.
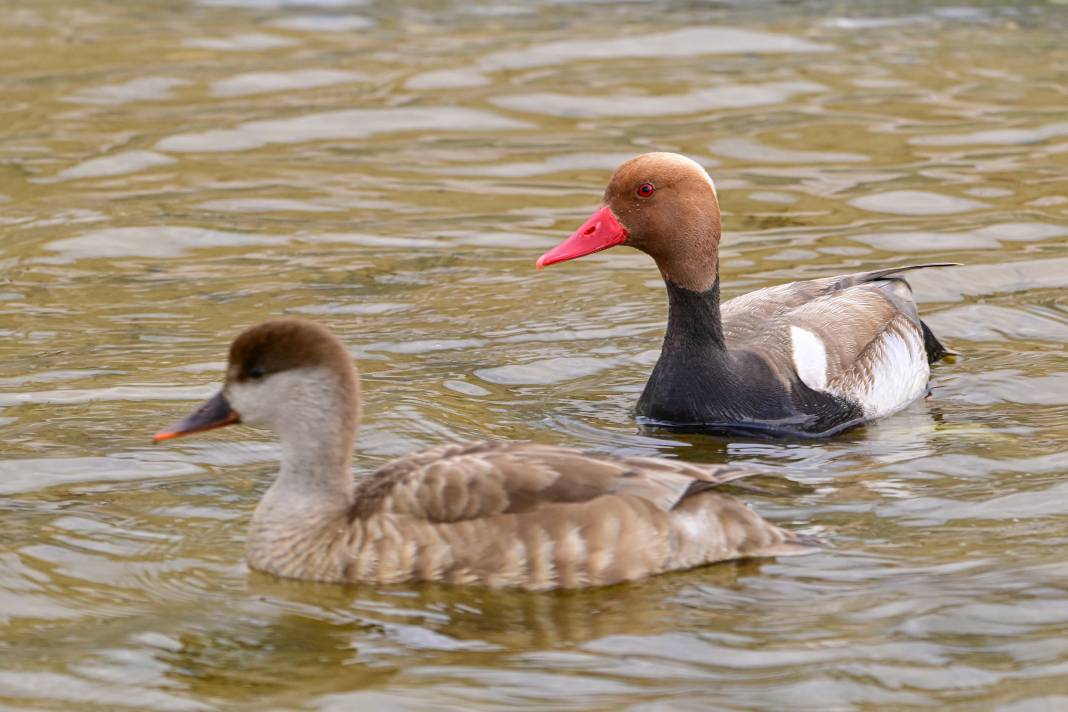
[[892, 271], [936, 350]]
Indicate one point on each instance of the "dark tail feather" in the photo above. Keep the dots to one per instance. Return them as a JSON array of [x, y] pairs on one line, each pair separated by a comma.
[[892, 271], [935, 350]]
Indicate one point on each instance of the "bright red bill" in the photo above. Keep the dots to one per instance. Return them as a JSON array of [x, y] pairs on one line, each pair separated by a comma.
[[598, 233]]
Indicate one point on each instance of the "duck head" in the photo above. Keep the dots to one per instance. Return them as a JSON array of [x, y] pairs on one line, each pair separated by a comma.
[[289, 375], [663, 204]]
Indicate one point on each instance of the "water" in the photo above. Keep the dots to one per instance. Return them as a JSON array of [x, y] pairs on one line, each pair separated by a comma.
[[173, 172]]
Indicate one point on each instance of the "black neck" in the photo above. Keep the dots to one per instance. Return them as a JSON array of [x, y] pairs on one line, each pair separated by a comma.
[[694, 323]]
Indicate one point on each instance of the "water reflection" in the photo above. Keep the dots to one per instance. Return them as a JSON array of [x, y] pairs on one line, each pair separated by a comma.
[[351, 124], [266, 82], [720, 97], [690, 42], [169, 177]]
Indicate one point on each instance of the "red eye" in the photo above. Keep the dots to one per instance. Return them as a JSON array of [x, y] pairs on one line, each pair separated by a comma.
[[646, 189]]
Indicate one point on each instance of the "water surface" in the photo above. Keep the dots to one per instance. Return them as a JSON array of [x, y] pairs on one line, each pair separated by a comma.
[[173, 172]]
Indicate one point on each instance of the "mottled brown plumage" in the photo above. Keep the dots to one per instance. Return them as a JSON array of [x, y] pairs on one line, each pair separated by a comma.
[[501, 514]]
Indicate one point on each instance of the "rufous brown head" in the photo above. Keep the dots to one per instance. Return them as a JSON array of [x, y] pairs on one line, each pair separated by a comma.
[[663, 204]]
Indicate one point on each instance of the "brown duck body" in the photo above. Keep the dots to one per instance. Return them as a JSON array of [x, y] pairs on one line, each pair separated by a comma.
[[508, 514], [501, 514]]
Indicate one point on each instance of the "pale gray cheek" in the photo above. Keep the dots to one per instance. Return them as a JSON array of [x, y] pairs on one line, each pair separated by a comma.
[[297, 398], [249, 404]]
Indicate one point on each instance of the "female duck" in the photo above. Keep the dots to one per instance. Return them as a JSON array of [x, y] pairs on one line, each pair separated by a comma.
[[806, 358], [491, 513]]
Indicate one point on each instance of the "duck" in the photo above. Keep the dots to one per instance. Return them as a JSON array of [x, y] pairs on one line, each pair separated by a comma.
[[498, 514], [806, 359]]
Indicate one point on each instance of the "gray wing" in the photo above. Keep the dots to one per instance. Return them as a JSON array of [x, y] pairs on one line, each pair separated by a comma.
[[745, 317], [857, 335]]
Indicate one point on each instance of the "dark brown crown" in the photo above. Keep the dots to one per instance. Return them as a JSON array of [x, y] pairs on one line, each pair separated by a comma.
[[284, 344]]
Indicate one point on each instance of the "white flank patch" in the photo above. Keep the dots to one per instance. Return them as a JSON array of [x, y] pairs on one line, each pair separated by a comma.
[[896, 369], [899, 373], [810, 358]]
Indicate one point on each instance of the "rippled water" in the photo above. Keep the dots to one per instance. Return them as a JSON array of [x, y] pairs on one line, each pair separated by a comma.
[[172, 172]]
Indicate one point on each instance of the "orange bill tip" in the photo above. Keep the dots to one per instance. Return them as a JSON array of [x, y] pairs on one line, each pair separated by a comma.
[[214, 413]]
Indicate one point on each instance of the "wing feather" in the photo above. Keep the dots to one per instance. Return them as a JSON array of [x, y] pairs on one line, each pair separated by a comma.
[[465, 482], [861, 321]]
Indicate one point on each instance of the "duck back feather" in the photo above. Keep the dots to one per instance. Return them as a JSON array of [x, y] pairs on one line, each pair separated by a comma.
[[511, 514]]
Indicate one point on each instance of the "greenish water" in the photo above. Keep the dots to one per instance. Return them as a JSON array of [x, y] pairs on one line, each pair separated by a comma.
[[171, 172]]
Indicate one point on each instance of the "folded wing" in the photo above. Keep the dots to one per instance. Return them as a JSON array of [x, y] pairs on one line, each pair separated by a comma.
[[461, 482]]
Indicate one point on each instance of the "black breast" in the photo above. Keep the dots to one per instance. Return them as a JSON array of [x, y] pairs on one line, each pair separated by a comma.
[[698, 384]]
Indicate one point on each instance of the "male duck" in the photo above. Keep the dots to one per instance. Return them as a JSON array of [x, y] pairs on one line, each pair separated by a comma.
[[501, 514], [809, 358]]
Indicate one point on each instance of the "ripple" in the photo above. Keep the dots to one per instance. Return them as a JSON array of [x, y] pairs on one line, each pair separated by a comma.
[[29, 685], [556, 163], [369, 199], [265, 205], [988, 237], [687, 43], [770, 196], [142, 89], [33, 474], [927, 511], [361, 309], [354, 238], [277, 4], [1007, 387], [723, 97], [952, 285], [447, 79], [1048, 201], [67, 374], [751, 150], [323, 23], [915, 202], [164, 241], [115, 165], [1003, 137], [348, 124], [467, 389], [26, 604], [424, 346], [873, 23], [114, 393], [990, 322], [267, 82], [247, 42], [551, 370], [990, 192], [1042, 702]]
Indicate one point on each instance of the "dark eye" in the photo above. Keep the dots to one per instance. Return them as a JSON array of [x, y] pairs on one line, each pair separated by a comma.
[[255, 372], [646, 189]]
